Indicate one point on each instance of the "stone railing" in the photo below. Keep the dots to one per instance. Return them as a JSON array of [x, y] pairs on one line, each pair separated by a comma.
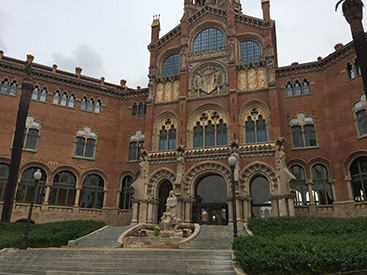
[[257, 150]]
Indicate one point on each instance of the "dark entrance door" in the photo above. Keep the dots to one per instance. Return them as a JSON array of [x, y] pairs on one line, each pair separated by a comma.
[[163, 194], [260, 193], [210, 198]]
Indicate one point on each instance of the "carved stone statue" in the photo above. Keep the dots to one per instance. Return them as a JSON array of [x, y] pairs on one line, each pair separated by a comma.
[[168, 221], [172, 202], [262, 77], [160, 93], [242, 81], [180, 169], [285, 177], [176, 90], [198, 82], [252, 79], [168, 91], [139, 185], [271, 72]]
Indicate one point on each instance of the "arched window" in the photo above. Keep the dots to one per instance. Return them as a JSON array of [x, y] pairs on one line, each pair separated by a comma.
[[63, 189], [350, 71], [321, 185], [209, 40], [170, 65], [250, 51], [163, 139], [71, 103], [299, 185], [134, 110], [4, 86], [141, 109], [360, 109], [210, 130], [91, 195], [303, 131], [358, 171], [35, 93], [26, 187], [13, 88], [297, 88], [43, 96], [289, 89], [125, 194], [31, 134], [97, 108], [85, 143], [135, 145], [255, 126], [4, 174], [64, 99], [167, 137], [83, 104], [56, 98], [357, 68], [90, 106], [306, 87]]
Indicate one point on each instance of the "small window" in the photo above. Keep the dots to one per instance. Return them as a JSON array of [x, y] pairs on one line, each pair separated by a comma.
[[31, 139], [83, 104], [85, 143], [13, 88], [35, 93], [56, 98], [362, 122], [141, 109], [255, 126], [71, 103], [289, 89], [43, 96], [250, 52], [350, 71], [306, 87], [97, 108], [303, 131], [4, 86], [134, 110], [300, 185], [134, 150], [90, 107], [297, 88], [64, 99]]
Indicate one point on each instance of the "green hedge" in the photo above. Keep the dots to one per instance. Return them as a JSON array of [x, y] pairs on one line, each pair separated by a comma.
[[302, 245], [46, 235]]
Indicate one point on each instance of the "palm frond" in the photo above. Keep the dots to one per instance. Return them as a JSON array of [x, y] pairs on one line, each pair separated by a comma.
[[337, 4]]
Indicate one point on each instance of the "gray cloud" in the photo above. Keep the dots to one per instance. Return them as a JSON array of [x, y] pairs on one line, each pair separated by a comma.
[[83, 56]]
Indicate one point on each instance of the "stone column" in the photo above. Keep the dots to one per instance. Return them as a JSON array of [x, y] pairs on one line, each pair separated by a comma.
[[179, 209], [150, 212], [309, 183], [77, 197], [348, 180], [135, 207], [104, 198], [283, 207], [143, 209], [274, 206], [187, 211], [291, 210], [118, 198], [47, 195], [245, 203], [333, 191]]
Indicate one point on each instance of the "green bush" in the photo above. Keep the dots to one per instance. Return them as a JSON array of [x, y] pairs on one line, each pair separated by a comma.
[[46, 235], [302, 245]]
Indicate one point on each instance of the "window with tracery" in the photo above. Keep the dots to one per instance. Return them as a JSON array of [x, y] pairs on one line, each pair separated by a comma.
[[300, 185], [167, 136], [39, 95], [210, 130], [255, 126], [358, 172], [303, 131], [209, 40], [250, 51], [353, 70], [85, 143], [126, 192], [298, 88]]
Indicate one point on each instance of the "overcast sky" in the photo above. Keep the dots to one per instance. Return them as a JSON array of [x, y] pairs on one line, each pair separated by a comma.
[[109, 38]]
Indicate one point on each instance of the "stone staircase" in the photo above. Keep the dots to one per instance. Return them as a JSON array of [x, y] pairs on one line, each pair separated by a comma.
[[114, 261], [107, 237], [213, 237]]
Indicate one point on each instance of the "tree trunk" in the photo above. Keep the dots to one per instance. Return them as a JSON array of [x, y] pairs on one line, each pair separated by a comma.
[[353, 12], [16, 154]]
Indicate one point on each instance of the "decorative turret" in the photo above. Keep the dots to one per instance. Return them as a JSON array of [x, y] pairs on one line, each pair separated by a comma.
[[266, 9], [156, 28]]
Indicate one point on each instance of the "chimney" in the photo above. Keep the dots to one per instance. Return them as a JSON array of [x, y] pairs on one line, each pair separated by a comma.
[[156, 28], [78, 71], [30, 58], [1, 54], [123, 83], [319, 58], [102, 80], [338, 46], [265, 4], [138, 87], [294, 63], [54, 68]]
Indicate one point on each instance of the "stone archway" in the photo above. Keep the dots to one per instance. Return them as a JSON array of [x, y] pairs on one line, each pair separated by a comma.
[[260, 193], [210, 206], [163, 191]]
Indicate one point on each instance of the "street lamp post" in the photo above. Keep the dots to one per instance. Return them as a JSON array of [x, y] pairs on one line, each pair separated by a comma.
[[232, 161], [37, 176]]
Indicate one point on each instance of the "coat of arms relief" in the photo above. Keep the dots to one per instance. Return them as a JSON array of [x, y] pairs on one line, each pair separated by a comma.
[[208, 80]]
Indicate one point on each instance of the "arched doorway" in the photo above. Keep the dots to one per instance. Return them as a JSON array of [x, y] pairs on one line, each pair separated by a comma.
[[163, 192], [260, 192], [210, 196]]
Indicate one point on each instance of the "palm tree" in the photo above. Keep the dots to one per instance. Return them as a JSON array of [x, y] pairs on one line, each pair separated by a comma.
[[353, 13], [16, 154]]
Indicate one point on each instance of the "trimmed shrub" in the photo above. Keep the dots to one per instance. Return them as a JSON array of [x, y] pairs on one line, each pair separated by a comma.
[[302, 245], [46, 235]]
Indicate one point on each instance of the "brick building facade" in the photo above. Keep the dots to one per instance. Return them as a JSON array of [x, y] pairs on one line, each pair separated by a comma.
[[215, 89]]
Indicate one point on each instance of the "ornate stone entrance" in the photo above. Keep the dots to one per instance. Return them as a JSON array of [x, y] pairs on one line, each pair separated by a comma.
[[260, 193], [210, 206]]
